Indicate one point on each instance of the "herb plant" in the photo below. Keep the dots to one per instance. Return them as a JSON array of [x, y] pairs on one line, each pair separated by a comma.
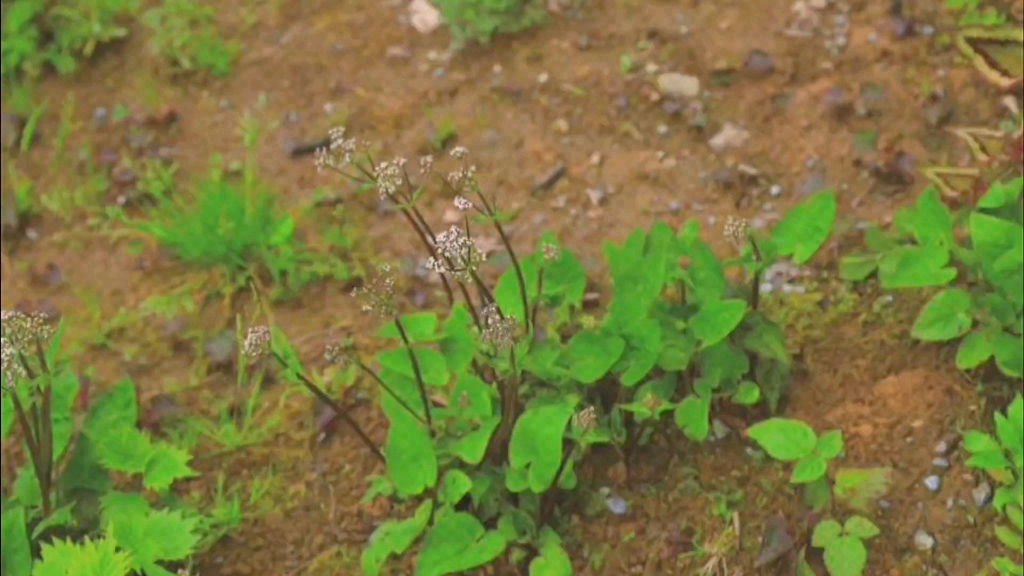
[[185, 34], [480, 20], [1002, 457], [984, 249], [65, 490], [38, 33], [845, 552], [493, 408]]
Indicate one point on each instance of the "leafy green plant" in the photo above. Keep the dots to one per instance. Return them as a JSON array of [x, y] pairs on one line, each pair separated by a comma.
[[74, 447], [972, 14], [492, 408], [480, 20], [185, 34], [234, 223], [38, 33], [1002, 457], [845, 552], [986, 309]]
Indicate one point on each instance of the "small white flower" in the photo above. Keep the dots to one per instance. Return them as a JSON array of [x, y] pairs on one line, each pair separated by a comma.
[[462, 204]]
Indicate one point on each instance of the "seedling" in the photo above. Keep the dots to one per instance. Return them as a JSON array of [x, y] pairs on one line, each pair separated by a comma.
[[184, 33], [480, 20], [845, 552]]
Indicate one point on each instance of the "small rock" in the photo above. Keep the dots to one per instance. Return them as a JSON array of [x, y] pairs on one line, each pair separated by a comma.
[[398, 52], [775, 190], [616, 505], [982, 494], [730, 136], [676, 85], [946, 444], [220, 350], [933, 483], [814, 182], [719, 429], [100, 115], [940, 463], [423, 16], [924, 541], [597, 195], [662, 130], [759, 63], [775, 543], [560, 126]]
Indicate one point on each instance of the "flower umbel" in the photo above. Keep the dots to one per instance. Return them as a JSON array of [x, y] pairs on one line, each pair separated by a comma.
[[379, 295], [389, 177], [585, 419], [499, 331], [338, 152], [456, 254], [257, 342], [735, 230], [462, 204], [550, 252], [19, 335]]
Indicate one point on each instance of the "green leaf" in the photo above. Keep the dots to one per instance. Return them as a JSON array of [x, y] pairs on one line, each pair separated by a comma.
[[830, 444], [282, 232], [974, 350], [691, 416], [976, 442], [565, 280], [846, 556], [150, 536], [1009, 352], [826, 532], [64, 393], [1001, 194], [715, 320], [418, 326], [118, 406], [805, 227], [766, 339], [458, 343], [409, 452], [915, 267], [592, 353], [705, 278], [432, 364], [857, 267], [6, 413], [506, 290], [747, 394], [471, 447], [808, 469], [394, 537], [15, 551], [167, 463], [859, 488], [860, 527], [552, 560], [946, 316], [784, 438], [455, 485], [86, 558], [929, 220], [536, 443], [457, 543], [645, 348]]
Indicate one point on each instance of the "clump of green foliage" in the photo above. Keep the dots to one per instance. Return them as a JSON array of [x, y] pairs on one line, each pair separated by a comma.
[[234, 222], [493, 408], [1002, 457], [480, 20], [64, 509], [185, 34], [37, 33], [972, 14], [985, 309]]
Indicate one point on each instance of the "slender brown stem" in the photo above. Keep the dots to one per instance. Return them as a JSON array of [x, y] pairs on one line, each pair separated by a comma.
[[520, 277], [755, 290], [390, 392], [417, 372], [536, 302], [334, 405]]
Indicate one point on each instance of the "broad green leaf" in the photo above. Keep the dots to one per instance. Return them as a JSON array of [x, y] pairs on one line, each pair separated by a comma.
[[86, 558], [765, 338], [432, 365], [1001, 194], [472, 398], [536, 443], [15, 552], [457, 543], [915, 267], [830, 444], [784, 438], [975, 442], [826, 532], [946, 316], [458, 343], [715, 320], [846, 556], [150, 536], [705, 276], [808, 469], [6, 413], [507, 291], [418, 326], [455, 485], [747, 394], [930, 220], [411, 461], [64, 393], [551, 561], [592, 353], [565, 280], [394, 537], [691, 416], [167, 463], [472, 446], [857, 267], [860, 527], [645, 348], [1009, 352], [974, 350], [859, 488], [805, 227], [118, 406]]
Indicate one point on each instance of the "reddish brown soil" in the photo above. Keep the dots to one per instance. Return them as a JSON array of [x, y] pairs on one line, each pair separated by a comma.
[[892, 400]]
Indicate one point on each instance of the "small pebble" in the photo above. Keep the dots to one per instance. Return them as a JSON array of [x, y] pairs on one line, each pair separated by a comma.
[[933, 483], [775, 190], [99, 115], [982, 494], [940, 463], [924, 541]]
